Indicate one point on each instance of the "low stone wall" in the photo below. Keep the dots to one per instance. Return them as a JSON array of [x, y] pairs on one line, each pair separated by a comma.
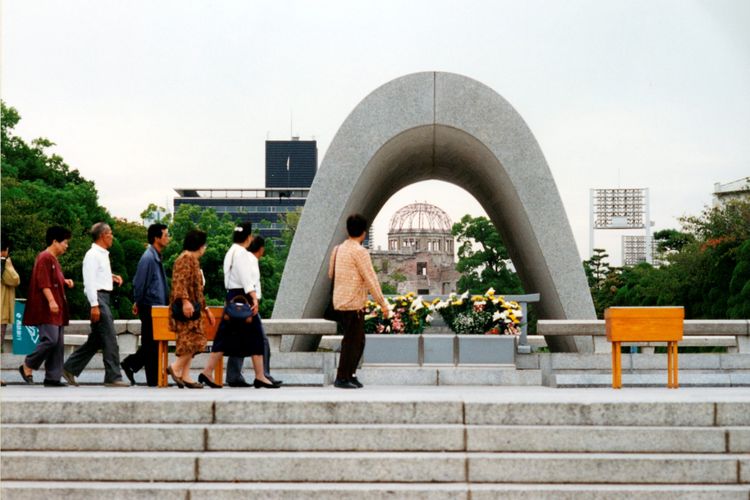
[[696, 332]]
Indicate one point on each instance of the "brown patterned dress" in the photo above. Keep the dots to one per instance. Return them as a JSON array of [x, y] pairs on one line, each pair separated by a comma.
[[187, 283]]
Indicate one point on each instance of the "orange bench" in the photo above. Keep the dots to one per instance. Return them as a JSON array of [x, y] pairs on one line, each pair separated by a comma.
[[162, 336], [644, 324]]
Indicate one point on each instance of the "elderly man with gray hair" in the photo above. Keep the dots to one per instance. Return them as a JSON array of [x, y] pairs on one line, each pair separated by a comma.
[[97, 285]]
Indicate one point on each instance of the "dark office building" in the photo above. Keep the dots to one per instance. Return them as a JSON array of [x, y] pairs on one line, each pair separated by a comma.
[[262, 207], [291, 163]]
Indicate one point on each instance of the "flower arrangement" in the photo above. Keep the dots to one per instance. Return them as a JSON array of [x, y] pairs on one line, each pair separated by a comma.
[[487, 314], [409, 314]]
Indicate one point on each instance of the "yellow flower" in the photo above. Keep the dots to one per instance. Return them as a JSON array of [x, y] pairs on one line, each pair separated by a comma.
[[477, 298]]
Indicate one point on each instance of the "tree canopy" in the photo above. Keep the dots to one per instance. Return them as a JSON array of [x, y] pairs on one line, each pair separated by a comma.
[[483, 259]]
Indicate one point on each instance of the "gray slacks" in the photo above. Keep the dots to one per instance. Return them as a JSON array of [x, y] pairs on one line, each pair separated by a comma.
[[50, 350], [234, 363], [102, 337]]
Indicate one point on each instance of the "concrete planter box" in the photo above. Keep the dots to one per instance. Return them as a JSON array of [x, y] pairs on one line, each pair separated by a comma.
[[438, 349], [486, 349], [391, 349]]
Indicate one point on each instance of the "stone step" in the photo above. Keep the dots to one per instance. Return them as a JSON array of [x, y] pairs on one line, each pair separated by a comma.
[[332, 406], [22, 490], [344, 467], [447, 375], [686, 378], [357, 437]]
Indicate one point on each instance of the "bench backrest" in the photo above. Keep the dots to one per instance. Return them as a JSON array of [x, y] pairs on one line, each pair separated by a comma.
[[160, 319], [644, 324]]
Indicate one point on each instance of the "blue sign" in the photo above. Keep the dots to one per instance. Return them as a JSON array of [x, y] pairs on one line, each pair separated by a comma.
[[25, 338]]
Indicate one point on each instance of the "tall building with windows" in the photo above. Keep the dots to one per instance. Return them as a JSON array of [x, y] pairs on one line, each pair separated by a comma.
[[290, 169], [291, 164]]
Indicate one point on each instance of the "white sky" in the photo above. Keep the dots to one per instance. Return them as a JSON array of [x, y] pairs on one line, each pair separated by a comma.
[[143, 96]]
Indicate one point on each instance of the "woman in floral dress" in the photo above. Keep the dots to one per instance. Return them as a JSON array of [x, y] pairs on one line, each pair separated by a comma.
[[187, 288]]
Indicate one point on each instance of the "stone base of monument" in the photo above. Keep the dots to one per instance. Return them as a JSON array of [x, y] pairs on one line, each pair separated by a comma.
[[639, 370], [415, 442]]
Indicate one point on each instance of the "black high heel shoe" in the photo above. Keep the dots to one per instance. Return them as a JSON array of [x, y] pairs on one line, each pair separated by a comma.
[[177, 380], [259, 383], [207, 381]]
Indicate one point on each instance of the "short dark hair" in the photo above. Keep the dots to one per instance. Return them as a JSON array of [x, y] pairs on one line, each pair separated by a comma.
[[57, 233], [98, 229], [194, 240], [257, 243], [242, 231], [155, 231], [356, 224], [5, 243]]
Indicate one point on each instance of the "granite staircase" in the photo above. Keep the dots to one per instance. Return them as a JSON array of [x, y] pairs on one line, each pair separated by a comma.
[[373, 443]]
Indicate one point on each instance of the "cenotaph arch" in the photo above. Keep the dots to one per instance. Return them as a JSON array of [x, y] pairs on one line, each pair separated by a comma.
[[443, 126]]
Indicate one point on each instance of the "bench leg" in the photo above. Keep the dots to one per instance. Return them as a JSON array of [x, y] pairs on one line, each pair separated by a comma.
[[616, 366], [219, 372], [672, 365], [162, 365]]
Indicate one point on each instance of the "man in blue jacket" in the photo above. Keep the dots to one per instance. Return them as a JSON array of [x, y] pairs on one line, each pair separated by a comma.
[[149, 289]]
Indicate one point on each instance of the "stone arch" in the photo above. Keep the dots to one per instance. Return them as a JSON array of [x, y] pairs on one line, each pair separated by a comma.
[[448, 127]]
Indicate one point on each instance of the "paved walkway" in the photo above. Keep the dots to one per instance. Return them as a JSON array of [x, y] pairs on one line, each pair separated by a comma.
[[534, 394]]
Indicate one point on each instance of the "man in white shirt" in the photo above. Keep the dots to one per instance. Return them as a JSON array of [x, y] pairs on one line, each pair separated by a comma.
[[97, 285]]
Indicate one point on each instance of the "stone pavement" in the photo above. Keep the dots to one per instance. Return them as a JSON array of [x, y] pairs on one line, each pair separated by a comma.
[[475, 394]]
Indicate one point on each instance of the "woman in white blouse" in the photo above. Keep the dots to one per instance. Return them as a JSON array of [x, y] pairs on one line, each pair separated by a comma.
[[245, 339]]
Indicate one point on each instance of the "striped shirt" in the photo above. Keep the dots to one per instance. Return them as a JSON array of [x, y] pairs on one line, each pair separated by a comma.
[[354, 277]]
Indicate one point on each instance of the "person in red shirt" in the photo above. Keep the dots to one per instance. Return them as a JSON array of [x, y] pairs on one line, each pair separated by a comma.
[[47, 309]]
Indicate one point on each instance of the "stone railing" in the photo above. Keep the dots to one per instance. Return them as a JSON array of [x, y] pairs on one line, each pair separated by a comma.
[[129, 332], [732, 334]]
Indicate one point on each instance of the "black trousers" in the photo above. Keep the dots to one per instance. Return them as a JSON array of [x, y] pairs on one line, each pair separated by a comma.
[[353, 343], [147, 355]]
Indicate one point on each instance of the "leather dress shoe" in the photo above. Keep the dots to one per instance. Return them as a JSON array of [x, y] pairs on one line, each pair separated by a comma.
[[70, 378], [177, 380], [128, 373], [207, 381], [355, 381], [239, 383], [29, 379], [117, 383], [192, 385], [54, 383], [343, 383], [260, 384], [274, 381]]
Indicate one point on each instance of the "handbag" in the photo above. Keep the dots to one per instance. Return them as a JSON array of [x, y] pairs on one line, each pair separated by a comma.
[[331, 314], [238, 310], [178, 314]]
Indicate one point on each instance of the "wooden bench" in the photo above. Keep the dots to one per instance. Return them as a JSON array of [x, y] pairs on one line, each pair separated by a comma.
[[163, 335], [644, 324]]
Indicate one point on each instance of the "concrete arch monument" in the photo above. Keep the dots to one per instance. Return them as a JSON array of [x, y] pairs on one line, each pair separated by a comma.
[[448, 127]]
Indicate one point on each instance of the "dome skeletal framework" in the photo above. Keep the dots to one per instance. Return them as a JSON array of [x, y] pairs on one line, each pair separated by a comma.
[[420, 217]]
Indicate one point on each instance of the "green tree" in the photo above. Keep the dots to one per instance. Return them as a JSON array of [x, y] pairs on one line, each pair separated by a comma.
[[604, 280], [40, 190], [707, 267], [483, 259]]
